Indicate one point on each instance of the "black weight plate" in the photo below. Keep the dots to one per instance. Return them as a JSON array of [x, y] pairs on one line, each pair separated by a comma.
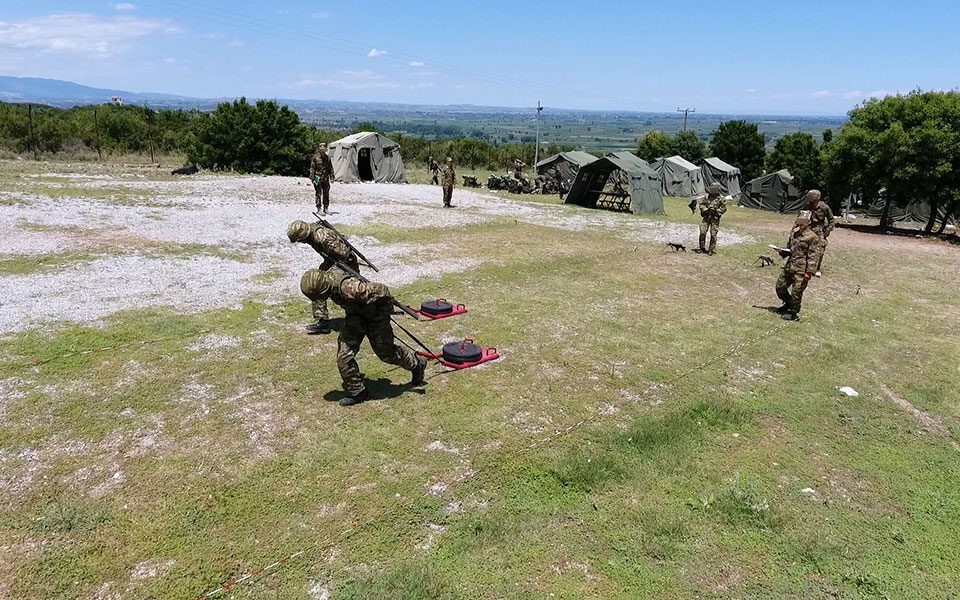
[[462, 352], [436, 307]]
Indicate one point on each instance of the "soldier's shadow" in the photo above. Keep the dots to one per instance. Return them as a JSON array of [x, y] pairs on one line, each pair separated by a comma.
[[378, 389], [772, 309]]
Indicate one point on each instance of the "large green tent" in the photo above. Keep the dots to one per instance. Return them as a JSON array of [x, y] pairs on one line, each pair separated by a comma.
[[642, 189], [773, 191], [716, 171], [564, 164], [679, 177]]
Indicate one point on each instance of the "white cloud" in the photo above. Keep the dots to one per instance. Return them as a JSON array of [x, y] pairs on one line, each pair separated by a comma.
[[420, 86], [852, 94], [375, 53], [78, 34], [321, 15], [416, 63], [124, 6], [751, 91], [236, 44], [346, 81], [822, 94]]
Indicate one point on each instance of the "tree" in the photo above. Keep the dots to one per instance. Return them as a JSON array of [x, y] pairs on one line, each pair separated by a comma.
[[799, 154], [742, 145], [654, 145], [689, 145], [262, 138], [908, 145]]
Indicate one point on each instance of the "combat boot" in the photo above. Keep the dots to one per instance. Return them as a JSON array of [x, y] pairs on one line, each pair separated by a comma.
[[790, 316], [320, 327], [355, 399], [783, 309], [417, 375]]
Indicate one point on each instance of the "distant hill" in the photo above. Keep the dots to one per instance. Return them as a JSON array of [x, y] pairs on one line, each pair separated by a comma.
[[66, 93]]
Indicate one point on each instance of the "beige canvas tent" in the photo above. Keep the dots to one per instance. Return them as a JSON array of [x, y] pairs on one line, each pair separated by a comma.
[[366, 156]]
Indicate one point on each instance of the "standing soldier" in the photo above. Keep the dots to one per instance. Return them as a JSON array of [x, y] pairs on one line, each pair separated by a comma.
[[333, 249], [822, 222], [448, 177], [434, 169], [802, 258], [368, 307], [712, 207], [321, 172], [518, 166]]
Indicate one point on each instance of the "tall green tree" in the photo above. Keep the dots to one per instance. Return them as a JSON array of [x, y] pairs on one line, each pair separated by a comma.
[[261, 138], [799, 154], [689, 145], [742, 145], [654, 145], [908, 145]]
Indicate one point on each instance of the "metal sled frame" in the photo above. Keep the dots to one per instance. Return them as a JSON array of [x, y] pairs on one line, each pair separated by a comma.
[[488, 355]]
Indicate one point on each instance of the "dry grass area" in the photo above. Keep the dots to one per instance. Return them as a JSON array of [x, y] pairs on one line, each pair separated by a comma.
[[650, 431]]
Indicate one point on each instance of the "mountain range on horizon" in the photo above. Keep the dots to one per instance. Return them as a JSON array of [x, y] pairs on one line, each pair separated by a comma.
[[65, 94]]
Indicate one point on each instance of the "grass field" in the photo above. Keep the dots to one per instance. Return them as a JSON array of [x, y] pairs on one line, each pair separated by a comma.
[[652, 430]]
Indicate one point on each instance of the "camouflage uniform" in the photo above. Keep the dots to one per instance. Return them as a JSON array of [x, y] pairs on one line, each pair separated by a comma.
[[712, 208], [804, 247], [321, 172], [368, 307], [447, 179], [822, 223], [329, 245], [518, 166], [434, 169]]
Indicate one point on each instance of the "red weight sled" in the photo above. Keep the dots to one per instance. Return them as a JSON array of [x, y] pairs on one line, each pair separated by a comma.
[[462, 355], [440, 309]]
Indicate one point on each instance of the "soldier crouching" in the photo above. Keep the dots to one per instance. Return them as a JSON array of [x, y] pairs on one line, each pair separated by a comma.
[[368, 307]]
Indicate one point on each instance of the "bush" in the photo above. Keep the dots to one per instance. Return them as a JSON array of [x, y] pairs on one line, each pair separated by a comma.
[[261, 138]]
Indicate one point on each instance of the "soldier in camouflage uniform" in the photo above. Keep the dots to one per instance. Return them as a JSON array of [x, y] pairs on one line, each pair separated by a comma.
[[447, 179], [333, 249], [434, 169], [368, 307], [321, 172], [712, 207], [518, 166], [822, 222], [804, 246]]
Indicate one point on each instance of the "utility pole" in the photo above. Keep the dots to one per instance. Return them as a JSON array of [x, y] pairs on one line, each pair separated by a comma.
[[33, 140], [685, 111], [96, 129], [536, 148]]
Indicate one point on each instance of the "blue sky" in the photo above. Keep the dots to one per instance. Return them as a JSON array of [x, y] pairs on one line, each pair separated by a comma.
[[811, 57]]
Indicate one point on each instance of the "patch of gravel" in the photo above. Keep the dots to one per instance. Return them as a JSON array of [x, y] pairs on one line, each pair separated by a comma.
[[245, 217], [149, 569]]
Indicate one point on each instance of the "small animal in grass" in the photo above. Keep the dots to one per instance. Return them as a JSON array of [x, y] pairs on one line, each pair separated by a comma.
[[188, 170], [765, 261], [677, 247]]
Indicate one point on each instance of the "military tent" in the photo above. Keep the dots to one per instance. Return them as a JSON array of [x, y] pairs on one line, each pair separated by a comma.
[[565, 164], [910, 216], [679, 177], [366, 156], [728, 176], [773, 191], [641, 193]]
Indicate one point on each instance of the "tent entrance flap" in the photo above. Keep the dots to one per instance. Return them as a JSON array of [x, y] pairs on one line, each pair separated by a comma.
[[363, 165]]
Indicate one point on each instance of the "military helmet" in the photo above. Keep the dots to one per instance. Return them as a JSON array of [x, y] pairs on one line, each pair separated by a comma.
[[322, 147], [449, 160], [713, 189], [298, 231], [803, 218], [812, 195], [316, 284]]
